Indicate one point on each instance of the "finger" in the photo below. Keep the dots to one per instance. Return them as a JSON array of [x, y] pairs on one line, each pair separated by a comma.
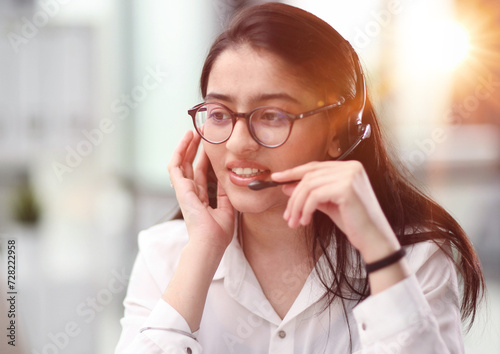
[[180, 150], [175, 164], [326, 192], [222, 198], [295, 173], [295, 195], [200, 175], [321, 195], [192, 149], [298, 173], [191, 152], [314, 180], [288, 189], [201, 167]]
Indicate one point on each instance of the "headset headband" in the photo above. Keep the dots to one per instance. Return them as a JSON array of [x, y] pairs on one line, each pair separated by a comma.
[[355, 126]]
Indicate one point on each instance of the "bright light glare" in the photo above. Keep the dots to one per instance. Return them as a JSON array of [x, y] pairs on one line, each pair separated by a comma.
[[442, 45], [454, 45]]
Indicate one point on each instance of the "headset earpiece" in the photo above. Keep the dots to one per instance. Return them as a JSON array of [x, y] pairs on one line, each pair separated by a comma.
[[355, 131]]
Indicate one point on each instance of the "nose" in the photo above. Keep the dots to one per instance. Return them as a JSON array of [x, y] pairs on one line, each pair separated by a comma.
[[241, 140]]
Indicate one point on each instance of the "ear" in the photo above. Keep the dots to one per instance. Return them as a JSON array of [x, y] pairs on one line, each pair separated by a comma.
[[334, 150]]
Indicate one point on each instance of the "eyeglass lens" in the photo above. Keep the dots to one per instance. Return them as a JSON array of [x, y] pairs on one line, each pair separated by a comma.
[[269, 126]]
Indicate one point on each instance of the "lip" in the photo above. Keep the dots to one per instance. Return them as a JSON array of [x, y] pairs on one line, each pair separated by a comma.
[[244, 181]]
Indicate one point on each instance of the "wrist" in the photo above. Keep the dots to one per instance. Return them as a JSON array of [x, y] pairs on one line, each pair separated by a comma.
[[189, 285], [206, 254], [386, 261], [379, 241], [379, 248], [387, 276], [208, 241]]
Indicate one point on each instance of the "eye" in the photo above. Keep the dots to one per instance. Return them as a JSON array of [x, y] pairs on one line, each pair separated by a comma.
[[219, 115], [273, 117], [270, 115]]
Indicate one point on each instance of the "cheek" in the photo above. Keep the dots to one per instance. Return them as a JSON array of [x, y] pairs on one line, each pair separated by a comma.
[[310, 143], [215, 155]]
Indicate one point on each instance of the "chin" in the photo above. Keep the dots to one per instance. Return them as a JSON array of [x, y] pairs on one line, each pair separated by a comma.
[[253, 202], [245, 208]]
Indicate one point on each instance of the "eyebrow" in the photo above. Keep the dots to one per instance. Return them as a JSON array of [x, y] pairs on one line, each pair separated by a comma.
[[260, 98], [217, 96]]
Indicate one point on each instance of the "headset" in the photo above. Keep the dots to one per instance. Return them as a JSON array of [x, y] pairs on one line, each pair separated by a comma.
[[352, 135], [356, 131]]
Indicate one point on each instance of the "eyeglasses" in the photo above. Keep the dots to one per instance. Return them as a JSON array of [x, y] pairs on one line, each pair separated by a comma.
[[269, 126]]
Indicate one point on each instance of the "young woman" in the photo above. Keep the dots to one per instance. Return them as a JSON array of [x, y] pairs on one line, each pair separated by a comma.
[[317, 264]]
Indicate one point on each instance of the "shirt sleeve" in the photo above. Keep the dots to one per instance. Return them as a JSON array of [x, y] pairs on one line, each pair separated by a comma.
[[420, 314], [150, 325]]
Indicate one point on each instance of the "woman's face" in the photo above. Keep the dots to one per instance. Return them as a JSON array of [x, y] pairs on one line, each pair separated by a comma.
[[243, 79]]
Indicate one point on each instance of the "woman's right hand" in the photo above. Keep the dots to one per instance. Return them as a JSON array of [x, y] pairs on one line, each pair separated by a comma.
[[210, 231], [206, 225]]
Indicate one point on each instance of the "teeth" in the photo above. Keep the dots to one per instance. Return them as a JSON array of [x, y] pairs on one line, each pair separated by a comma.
[[246, 172]]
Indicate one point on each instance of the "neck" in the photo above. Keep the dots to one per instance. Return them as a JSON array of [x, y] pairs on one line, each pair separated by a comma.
[[268, 235], [280, 257]]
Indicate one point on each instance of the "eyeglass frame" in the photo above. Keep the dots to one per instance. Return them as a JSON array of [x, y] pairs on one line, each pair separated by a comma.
[[247, 116]]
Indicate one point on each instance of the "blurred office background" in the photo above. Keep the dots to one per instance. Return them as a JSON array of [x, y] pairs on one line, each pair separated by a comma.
[[93, 99]]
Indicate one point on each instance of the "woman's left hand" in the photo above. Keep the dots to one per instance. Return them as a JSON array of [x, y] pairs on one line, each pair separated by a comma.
[[341, 190]]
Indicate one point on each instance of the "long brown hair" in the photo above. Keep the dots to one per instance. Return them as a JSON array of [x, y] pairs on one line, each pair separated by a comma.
[[326, 63]]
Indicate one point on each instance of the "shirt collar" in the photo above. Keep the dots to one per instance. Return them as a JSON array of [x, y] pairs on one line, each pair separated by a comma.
[[241, 283], [234, 258]]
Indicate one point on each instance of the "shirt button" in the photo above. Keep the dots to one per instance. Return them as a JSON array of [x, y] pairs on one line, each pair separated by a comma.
[[189, 351], [363, 326], [282, 334]]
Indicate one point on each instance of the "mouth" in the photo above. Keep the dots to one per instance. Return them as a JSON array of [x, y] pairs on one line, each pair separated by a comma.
[[241, 175], [247, 172]]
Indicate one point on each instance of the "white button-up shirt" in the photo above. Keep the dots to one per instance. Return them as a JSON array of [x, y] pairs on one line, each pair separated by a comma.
[[420, 314]]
